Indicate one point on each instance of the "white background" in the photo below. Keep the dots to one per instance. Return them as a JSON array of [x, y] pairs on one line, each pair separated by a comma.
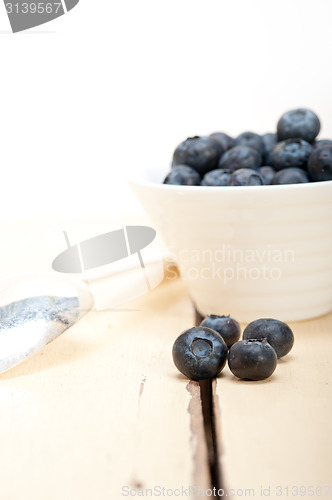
[[115, 85]]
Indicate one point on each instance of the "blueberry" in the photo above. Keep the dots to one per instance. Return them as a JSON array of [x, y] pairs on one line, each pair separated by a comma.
[[277, 333], [250, 139], [199, 353], [322, 142], [291, 175], [226, 326], [200, 153], [267, 173], [245, 177], [240, 157], [269, 143], [291, 153], [182, 175], [298, 124], [252, 359], [320, 164], [225, 140], [217, 177]]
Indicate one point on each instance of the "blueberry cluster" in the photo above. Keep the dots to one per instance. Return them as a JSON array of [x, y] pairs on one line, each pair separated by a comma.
[[201, 352], [292, 155]]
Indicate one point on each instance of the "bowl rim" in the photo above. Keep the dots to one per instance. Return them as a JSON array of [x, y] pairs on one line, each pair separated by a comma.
[[140, 179]]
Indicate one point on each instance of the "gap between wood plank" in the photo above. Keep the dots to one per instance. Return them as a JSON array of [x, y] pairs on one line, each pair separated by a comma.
[[210, 411], [211, 433]]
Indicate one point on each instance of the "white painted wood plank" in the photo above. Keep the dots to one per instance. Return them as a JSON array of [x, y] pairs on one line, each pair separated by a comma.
[[278, 432], [103, 407]]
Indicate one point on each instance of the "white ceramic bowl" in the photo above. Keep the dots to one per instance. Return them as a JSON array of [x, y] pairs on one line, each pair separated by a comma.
[[252, 252]]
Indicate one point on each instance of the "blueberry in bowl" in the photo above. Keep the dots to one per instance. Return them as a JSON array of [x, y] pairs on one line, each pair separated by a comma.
[[298, 123], [320, 163], [291, 175], [322, 142], [200, 153], [269, 140], [291, 153], [240, 157], [183, 175], [225, 140], [217, 177], [245, 177], [250, 139], [291, 147], [200, 353], [267, 173]]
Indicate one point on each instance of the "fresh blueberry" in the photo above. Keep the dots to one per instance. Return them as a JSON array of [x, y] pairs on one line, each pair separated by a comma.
[[320, 164], [267, 173], [199, 153], [182, 175], [298, 124], [269, 143], [291, 153], [250, 139], [200, 353], [225, 140], [240, 157], [217, 177], [252, 359], [277, 334], [226, 326], [322, 142], [291, 175], [245, 177]]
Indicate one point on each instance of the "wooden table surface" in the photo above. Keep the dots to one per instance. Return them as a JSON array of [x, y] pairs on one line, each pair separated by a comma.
[[102, 413]]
